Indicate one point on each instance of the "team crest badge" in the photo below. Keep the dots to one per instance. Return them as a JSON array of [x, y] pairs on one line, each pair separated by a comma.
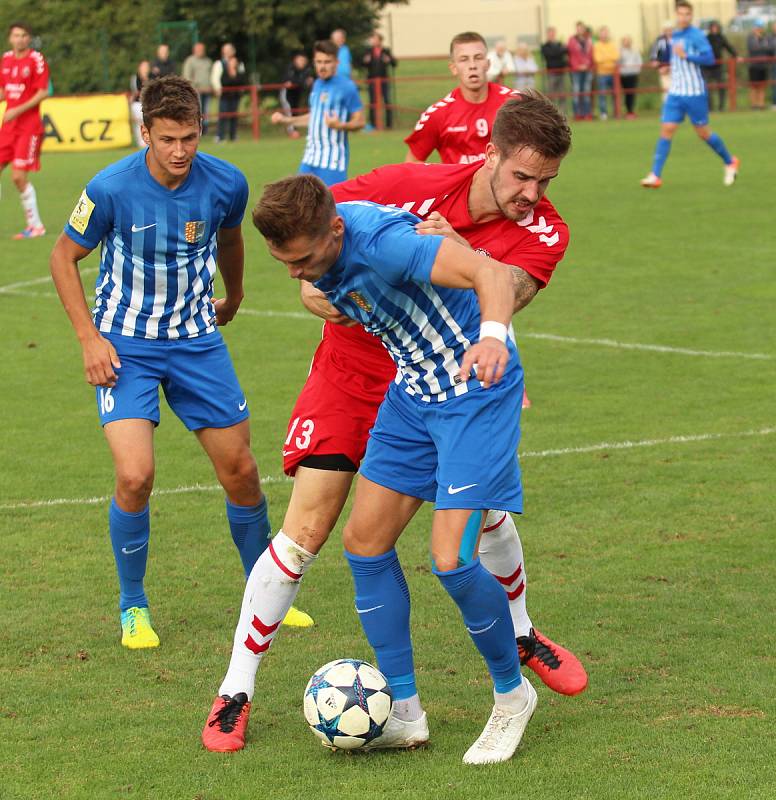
[[360, 301], [194, 231]]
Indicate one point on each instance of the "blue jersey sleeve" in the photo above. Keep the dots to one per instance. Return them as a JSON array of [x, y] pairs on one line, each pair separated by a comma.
[[239, 201], [92, 217], [394, 250], [702, 53], [353, 99]]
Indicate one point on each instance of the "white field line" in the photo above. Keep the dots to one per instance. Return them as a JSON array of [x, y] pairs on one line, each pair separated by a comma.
[[17, 289], [19, 286], [592, 448]]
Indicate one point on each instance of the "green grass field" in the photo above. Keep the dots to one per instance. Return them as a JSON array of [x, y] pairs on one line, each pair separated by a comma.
[[649, 470]]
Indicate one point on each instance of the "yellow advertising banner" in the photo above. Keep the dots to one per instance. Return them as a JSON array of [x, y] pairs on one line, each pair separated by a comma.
[[91, 122]]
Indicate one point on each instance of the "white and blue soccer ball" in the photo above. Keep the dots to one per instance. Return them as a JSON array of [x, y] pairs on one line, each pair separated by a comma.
[[347, 703]]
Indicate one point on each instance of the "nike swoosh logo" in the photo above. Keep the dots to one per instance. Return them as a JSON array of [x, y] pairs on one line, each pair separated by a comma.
[[129, 552], [135, 229], [367, 610], [241, 406], [482, 630], [288, 452], [451, 490]]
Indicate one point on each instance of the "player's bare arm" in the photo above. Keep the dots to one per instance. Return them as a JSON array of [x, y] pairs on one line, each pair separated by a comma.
[[35, 100], [279, 118], [525, 285], [461, 268], [355, 123], [314, 300], [99, 356], [231, 261], [410, 158]]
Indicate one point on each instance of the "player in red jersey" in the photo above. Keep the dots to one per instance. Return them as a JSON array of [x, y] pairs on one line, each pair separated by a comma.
[[24, 80], [498, 206], [458, 126]]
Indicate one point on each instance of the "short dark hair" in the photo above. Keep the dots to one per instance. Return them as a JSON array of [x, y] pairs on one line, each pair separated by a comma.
[[683, 4], [327, 47], [467, 38], [531, 120], [301, 205], [20, 24], [170, 97]]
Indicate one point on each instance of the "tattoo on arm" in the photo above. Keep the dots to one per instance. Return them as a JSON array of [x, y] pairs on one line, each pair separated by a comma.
[[526, 287]]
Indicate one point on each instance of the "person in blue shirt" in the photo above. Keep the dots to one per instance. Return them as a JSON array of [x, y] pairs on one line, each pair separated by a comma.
[[689, 52], [442, 311], [344, 56], [335, 110], [165, 219]]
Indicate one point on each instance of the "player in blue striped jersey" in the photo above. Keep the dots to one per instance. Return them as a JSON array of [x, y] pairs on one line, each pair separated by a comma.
[[335, 110], [164, 219], [427, 444], [690, 50]]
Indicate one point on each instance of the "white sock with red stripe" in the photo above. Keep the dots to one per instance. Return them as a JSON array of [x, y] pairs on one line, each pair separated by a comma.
[[30, 205], [269, 593], [501, 553]]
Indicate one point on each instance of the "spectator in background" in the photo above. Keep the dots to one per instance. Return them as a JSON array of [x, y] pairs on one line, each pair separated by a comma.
[[716, 74], [758, 45], [630, 67], [378, 61], [660, 56], [555, 55], [501, 62], [228, 51], [136, 83], [606, 55], [232, 76], [162, 65], [525, 67], [297, 81], [344, 56], [197, 68], [580, 50]]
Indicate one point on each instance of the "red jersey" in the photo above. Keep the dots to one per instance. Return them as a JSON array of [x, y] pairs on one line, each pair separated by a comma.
[[535, 244], [458, 129], [21, 78]]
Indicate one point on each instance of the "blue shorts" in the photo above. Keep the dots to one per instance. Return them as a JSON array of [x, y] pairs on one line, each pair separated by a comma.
[[328, 176], [461, 453], [676, 107], [196, 375]]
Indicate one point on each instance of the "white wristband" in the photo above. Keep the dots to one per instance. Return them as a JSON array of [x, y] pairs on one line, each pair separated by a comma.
[[494, 329]]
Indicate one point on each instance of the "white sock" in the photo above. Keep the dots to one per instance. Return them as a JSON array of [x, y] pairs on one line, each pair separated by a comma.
[[269, 593], [30, 206], [408, 710], [515, 699], [501, 553]]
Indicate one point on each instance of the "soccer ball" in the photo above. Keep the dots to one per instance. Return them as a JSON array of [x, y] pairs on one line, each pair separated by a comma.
[[347, 703]]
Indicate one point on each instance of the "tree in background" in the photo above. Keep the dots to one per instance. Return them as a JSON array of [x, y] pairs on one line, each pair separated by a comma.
[[94, 45]]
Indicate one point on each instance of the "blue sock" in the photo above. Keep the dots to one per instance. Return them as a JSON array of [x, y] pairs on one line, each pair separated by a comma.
[[485, 610], [383, 606], [662, 150], [250, 531], [718, 146], [129, 534]]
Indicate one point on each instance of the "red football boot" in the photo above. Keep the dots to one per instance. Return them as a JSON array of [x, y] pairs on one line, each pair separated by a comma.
[[224, 731], [558, 668]]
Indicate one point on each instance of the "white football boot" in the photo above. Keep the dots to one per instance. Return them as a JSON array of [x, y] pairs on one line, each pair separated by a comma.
[[731, 172], [503, 731], [399, 734]]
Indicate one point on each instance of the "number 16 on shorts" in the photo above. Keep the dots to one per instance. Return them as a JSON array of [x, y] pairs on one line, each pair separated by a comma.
[[106, 400]]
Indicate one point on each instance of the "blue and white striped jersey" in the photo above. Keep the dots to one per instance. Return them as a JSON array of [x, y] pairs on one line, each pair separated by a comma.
[[158, 254], [382, 280], [686, 76], [326, 147]]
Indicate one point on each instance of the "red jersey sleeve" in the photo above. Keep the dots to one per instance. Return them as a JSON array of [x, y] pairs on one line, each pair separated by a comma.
[[40, 72], [425, 137], [543, 242], [373, 186]]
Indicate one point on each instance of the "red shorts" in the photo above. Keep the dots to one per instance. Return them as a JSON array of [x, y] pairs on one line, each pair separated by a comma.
[[20, 148], [337, 405]]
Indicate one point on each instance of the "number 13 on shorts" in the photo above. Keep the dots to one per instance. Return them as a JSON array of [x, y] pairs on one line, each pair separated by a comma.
[[299, 434]]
